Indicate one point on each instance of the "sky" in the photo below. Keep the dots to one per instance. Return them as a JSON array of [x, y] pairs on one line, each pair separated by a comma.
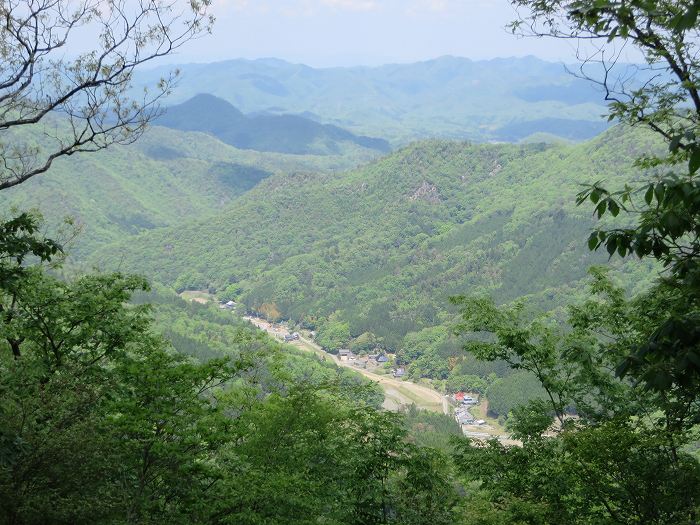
[[323, 33]]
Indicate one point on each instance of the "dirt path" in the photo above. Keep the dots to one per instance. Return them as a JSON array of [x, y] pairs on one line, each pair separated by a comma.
[[397, 393]]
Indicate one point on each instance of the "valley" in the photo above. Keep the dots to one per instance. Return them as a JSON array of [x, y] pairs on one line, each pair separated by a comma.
[[430, 290], [397, 393], [368, 258]]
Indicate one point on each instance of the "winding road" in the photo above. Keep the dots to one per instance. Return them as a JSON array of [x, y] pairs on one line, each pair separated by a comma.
[[397, 393]]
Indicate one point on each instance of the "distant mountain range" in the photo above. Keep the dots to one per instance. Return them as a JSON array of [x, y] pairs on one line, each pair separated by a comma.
[[293, 134], [505, 99]]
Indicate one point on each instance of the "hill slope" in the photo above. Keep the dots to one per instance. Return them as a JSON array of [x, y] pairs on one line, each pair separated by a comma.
[[281, 133], [500, 99], [165, 178], [380, 249]]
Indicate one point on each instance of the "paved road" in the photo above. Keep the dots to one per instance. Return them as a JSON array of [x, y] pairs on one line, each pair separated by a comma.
[[397, 392]]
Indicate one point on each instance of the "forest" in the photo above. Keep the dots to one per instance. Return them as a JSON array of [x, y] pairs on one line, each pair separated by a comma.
[[385, 283], [557, 281]]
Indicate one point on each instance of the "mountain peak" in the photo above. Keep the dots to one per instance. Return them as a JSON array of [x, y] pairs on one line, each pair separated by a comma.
[[262, 132]]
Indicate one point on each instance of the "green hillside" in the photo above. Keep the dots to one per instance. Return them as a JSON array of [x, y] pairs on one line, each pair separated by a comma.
[[204, 332], [165, 178], [376, 252], [503, 99], [281, 133]]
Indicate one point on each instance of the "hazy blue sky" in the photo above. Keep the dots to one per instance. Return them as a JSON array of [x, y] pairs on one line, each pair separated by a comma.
[[368, 32]]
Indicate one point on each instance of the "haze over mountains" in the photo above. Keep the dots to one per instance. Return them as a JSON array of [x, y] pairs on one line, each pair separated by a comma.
[[506, 99], [280, 133]]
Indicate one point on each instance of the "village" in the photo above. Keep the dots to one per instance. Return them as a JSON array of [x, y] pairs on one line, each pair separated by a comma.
[[468, 409]]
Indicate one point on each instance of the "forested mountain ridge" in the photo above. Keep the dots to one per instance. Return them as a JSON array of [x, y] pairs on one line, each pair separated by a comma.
[[166, 177], [501, 99], [292, 134], [130, 399], [379, 250]]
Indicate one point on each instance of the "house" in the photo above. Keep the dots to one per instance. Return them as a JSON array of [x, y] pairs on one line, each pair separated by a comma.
[[465, 419], [345, 355], [399, 372], [458, 397], [469, 400], [463, 416], [382, 359]]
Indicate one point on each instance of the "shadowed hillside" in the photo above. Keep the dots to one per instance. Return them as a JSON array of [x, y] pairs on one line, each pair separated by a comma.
[[280, 133], [166, 178]]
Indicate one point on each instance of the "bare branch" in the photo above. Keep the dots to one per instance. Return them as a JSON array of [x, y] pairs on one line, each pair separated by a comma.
[[85, 103]]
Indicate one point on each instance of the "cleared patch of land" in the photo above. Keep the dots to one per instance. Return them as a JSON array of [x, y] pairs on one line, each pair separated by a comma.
[[197, 296]]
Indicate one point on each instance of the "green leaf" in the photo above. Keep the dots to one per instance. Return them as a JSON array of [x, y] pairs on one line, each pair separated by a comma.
[[687, 21], [600, 209], [659, 191], [593, 241], [675, 142], [694, 162], [611, 246], [649, 195]]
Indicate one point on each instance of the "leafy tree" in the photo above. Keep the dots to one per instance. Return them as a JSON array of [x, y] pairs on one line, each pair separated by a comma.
[[665, 97], [335, 335], [595, 448], [506, 394], [231, 292], [99, 419], [308, 456], [466, 383]]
